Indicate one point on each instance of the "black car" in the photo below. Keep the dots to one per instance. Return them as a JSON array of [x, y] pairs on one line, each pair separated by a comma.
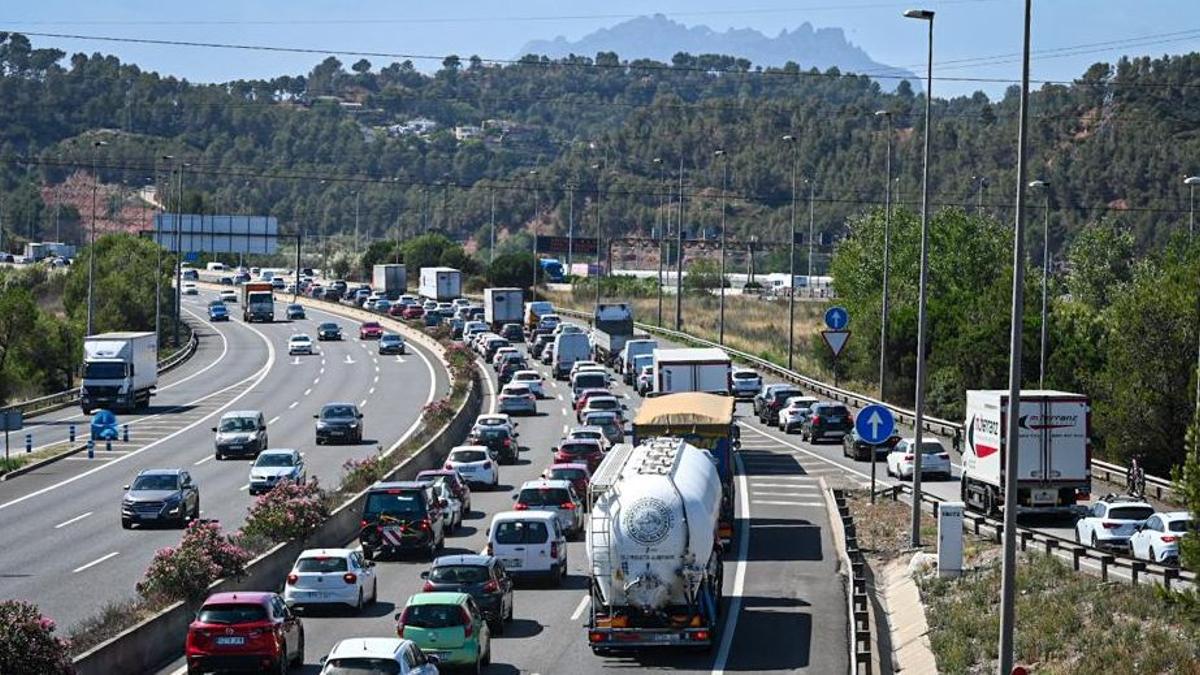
[[827, 419], [771, 399], [499, 442], [390, 343], [512, 332], [482, 577], [160, 496], [510, 368], [295, 312], [402, 516], [540, 344], [855, 447], [329, 331], [332, 294], [339, 422]]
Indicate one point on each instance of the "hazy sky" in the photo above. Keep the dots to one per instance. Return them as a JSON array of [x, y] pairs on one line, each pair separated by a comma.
[[1095, 30]]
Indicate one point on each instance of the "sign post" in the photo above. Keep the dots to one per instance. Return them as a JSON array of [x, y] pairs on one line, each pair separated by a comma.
[[874, 424], [11, 420]]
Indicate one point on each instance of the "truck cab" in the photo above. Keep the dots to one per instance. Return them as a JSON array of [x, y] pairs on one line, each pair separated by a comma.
[[120, 371]]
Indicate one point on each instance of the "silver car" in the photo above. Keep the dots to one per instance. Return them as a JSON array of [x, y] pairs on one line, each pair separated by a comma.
[[554, 496], [274, 466], [240, 433], [517, 398]]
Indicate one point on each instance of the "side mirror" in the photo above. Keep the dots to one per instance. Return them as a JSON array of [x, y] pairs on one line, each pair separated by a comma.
[[214, 430], [125, 487], [316, 417], [397, 616], [425, 574], [359, 415], [432, 659], [515, 497]]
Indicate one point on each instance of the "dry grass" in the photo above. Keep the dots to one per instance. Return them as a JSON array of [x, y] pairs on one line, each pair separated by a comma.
[[18, 457], [884, 528]]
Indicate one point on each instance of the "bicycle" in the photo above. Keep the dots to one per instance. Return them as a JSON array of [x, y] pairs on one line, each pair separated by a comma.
[[1135, 479]]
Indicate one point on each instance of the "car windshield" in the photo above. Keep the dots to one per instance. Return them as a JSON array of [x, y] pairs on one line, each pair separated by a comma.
[[577, 449], [468, 456], [321, 564], [567, 474], [230, 613], [459, 574], [361, 665], [490, 422], [104, 371], [1130, 512], [494, 434], [237, 424], [156, 482], [1180, 526], [391, 338], [300, 338], [295, 308], [337, 411], [274, 459], [591, 380], [329, 326], [521, 532], [394, 503], [544, 496], [834, 411], [433, 616]]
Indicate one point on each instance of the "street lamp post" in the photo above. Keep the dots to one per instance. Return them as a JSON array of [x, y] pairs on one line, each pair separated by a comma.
[[179, 255], [96, 145], [791, 140], [1191, 182], [919, 422], [887, 263], [570, 225], [721, 277], [599, 168], [492, 246], [1044, 186], [679, 254], [662, 235], [812, 227], [356, 196], [536, 208]]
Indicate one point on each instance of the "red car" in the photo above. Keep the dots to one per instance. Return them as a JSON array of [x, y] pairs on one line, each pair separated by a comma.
[[413, 312], [580, 451], [396, 310], [582, 399], [370, 330], [576, 472], [458, 486], [249, 631]]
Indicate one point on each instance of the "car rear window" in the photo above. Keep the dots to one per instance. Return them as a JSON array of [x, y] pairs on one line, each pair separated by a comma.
[[468, 456], [459, 574], [577, 449], [231, 613], [544, 496], [156, 482], [433, 616], [567, 474], [516, 391], [745, 376], [521, 532], [397, 503], [591, 380], [362, 665], [1130, 512], [1180, 526], [323, 564], [598, 403], [833, 411], [782, 395]]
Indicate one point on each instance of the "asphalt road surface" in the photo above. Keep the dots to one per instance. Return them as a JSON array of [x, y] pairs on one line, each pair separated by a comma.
[[64, 546]]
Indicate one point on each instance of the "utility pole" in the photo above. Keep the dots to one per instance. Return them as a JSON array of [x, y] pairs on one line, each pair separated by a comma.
[[887, 252], [679, 254], [1044, 186], [724, 188], [96, 145], [179, 257], [1191, 182], [492, 246], [601, 273], [536, 216], [792, 140], [662, 234], [812, 228], [570, 225], [356, 195]]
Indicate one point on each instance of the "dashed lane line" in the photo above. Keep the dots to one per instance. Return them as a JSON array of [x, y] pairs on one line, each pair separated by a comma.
[[95, 562], [76, 519]]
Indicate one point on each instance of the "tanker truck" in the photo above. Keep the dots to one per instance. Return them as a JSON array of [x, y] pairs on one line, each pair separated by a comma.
[[654, 549]]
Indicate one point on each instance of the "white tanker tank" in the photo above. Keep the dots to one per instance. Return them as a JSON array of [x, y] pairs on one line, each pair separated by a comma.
[[653, 545]]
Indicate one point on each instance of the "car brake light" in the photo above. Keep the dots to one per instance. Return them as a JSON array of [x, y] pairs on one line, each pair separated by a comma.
[[468, 628], [520, 507], [362, 524], [427, 587], [293, 578], [554, 549], [908, 458], [449, 466], [350, 577], [491, 586], [1111, 526], [816, 419], [1168, 539], [487, 465], [944, 455], [570, 506], [424, 524]]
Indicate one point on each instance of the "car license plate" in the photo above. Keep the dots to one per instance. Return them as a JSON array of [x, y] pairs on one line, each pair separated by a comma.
[[148, 516], [512, 563], [235, 447], [1045, 496], [317, 595], [231, 640], [661, 637], [835, 420]]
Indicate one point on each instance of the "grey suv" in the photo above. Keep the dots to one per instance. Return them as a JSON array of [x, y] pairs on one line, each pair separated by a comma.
[[242, 432], [160, 496]]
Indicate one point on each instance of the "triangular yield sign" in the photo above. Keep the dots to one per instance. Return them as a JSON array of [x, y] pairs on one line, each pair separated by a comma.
[[836, 339]]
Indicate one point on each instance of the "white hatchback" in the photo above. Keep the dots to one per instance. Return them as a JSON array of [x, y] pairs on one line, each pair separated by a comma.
[[531, 379], [1158, 539], [378, 655], [474, 463], [331, 576], [935, 461], [529, 543]]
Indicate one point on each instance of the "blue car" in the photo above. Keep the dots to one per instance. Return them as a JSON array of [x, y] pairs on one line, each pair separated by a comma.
[[104, 426], [217, 311]]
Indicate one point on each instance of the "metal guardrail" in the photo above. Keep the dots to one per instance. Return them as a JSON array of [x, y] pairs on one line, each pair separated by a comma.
[[858, 601], [49, 402], [1157, 487]]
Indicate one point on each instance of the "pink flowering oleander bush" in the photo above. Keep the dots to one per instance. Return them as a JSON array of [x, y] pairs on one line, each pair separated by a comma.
[[461, 360], [288, 511], [437, 413], [185, 572], [28, 645], [360, 473]]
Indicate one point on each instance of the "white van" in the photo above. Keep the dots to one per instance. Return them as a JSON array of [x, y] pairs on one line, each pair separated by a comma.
[[216, 267], [569, 348], [529, 543]]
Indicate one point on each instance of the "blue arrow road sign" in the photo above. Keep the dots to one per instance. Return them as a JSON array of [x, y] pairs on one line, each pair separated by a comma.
[[837, 318], [191, 256], [875, 424]]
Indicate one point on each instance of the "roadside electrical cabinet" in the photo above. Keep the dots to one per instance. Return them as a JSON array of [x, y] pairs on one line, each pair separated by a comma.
[[950, 539]]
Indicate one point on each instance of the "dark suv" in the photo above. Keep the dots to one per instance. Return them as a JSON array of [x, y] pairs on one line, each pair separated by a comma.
[[339, 422], [512, 332], [827, 419], [771, 399], [480, 576], [160, 496], [402, 516], [855, 447], [499, 442]]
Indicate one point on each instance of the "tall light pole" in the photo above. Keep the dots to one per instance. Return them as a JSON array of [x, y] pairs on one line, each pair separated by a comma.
[[792, 141], [599, 168], [1008, 578], [570, 225], [1044, 186], [662, 231], [356, 196], [536, 214], [927, 16], [96, 145], [1191, 182], [679, 254], [179, 255], [721, 277], [812, 227], [887, 252], [492, 247]]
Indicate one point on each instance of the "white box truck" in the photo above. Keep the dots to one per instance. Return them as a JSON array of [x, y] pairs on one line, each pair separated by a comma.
[[1054, 451], [691, 369], [389, 280], [503, 305], [120, 371], [440, 284]]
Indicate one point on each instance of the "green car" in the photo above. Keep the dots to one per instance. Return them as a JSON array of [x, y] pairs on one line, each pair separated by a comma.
[[449, 626]]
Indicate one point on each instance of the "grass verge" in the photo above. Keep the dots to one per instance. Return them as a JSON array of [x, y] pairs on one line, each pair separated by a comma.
[[19, 458]]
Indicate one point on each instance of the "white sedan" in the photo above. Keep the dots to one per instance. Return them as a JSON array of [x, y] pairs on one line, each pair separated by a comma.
[[1158, 539], [531, 379], [474, 463], [331, 576], [488, 420], [935, 461], [453, 508], [190, 289], [228, 296], [300, 344]]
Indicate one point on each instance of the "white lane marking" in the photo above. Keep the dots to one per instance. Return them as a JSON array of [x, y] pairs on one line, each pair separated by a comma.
[[491, 392], [781, 503], [293, 405], [811, 454], [376, 379], [322, 363], [583, 603], [399, 360], [560, 397], [206, 459], [296, 361], [771, 493], [76, 519], [273, 420], [244, 488], [739, 575], [794, 486], [377, 369], [566, 429], [321, 371], [95, 562], [308, 391], [316, 380], [371, 391], [349, 360], [257, 378], [362, 403], [564, 412]]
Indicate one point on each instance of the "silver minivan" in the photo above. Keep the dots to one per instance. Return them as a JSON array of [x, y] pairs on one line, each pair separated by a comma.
[[240, 433]]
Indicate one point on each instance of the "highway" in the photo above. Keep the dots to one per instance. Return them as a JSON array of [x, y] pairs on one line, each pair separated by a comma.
[[66, 549], [785, 603]]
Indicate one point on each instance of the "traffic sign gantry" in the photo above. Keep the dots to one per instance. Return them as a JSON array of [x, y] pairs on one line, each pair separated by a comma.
[[875, 424], [837, 318]]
